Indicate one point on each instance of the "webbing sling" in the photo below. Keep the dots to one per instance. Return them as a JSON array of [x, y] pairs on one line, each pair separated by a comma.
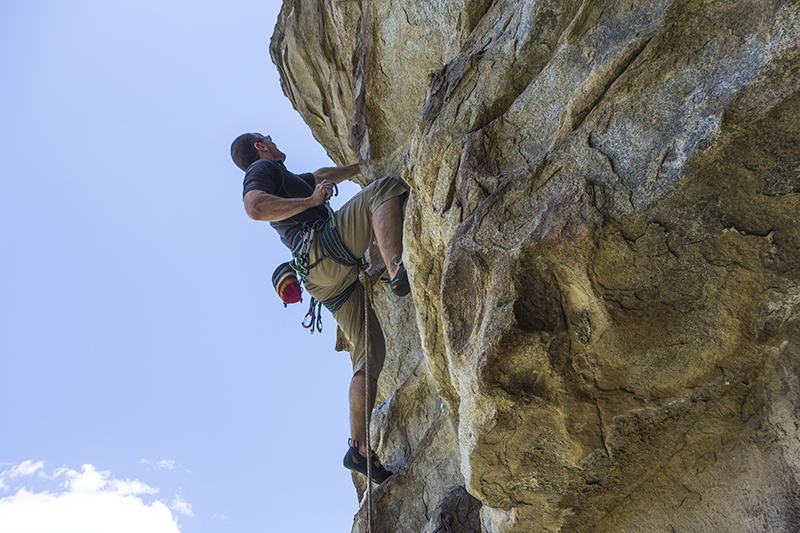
[[333, 247]]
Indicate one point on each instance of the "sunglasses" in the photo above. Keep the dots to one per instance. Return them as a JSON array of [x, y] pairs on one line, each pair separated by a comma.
[[268, 137]]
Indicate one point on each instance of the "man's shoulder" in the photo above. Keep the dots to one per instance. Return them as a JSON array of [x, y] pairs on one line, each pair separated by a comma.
[[268, 169], [263, 175], [264, 166]]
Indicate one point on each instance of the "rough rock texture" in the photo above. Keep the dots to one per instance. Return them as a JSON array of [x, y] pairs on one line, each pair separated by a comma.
[[604, 248]]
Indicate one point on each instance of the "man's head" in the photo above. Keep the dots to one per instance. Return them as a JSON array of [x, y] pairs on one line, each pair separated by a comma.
[[248, 148]]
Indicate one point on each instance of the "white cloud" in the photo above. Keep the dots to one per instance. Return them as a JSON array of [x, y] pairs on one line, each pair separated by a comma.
[[57, 473], [90, 502], [25, 468], [164, 463], [181, 506]]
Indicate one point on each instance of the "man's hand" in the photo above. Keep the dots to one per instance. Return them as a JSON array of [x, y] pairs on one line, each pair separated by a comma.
[[322, 192], [336, 174], [262, 206]]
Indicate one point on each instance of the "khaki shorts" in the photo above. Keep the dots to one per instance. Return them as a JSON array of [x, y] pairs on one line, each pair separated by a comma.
[[329, 279]]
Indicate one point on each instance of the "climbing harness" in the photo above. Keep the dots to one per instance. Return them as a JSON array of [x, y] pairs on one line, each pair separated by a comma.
[[333, 248], [331, 242], [305, 239]]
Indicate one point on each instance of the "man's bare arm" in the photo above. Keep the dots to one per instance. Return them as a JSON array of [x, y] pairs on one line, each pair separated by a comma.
[[336, 174], [270, 208]]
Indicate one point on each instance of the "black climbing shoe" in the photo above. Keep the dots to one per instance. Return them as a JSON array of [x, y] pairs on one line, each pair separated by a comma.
[[353, 460], [399, 282]]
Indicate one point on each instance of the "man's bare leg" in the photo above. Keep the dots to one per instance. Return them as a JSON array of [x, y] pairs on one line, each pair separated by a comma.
[[387, 222], [358, 427]]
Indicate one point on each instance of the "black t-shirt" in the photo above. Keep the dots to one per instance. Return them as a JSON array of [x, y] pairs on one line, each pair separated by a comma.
[[273, 178]]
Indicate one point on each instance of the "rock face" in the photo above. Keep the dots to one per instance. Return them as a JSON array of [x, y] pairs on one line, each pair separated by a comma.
[[604, 248]]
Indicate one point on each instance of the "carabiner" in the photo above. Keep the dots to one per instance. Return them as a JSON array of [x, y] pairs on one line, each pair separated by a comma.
[[311, 315], [315, 316], [319, 318]]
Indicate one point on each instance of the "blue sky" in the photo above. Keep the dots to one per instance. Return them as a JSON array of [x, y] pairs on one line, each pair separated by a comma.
[[139, 331]]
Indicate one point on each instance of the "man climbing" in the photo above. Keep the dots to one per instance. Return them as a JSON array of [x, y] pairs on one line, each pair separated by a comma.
[[295, 205]]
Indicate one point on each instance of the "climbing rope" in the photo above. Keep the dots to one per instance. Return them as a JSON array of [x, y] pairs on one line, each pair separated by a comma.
[[366, 395], [313, 319]]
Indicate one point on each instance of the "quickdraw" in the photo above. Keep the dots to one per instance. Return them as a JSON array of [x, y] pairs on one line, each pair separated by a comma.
[[314, 316], [300, 256]]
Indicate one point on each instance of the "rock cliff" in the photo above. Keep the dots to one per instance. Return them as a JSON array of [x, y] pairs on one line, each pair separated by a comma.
[[604, 248]]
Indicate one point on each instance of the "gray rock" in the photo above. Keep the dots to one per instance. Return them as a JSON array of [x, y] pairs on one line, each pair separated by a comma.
[[604, 250]]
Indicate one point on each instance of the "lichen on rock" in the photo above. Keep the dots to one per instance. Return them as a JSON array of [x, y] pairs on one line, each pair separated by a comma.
[[604, 250]]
